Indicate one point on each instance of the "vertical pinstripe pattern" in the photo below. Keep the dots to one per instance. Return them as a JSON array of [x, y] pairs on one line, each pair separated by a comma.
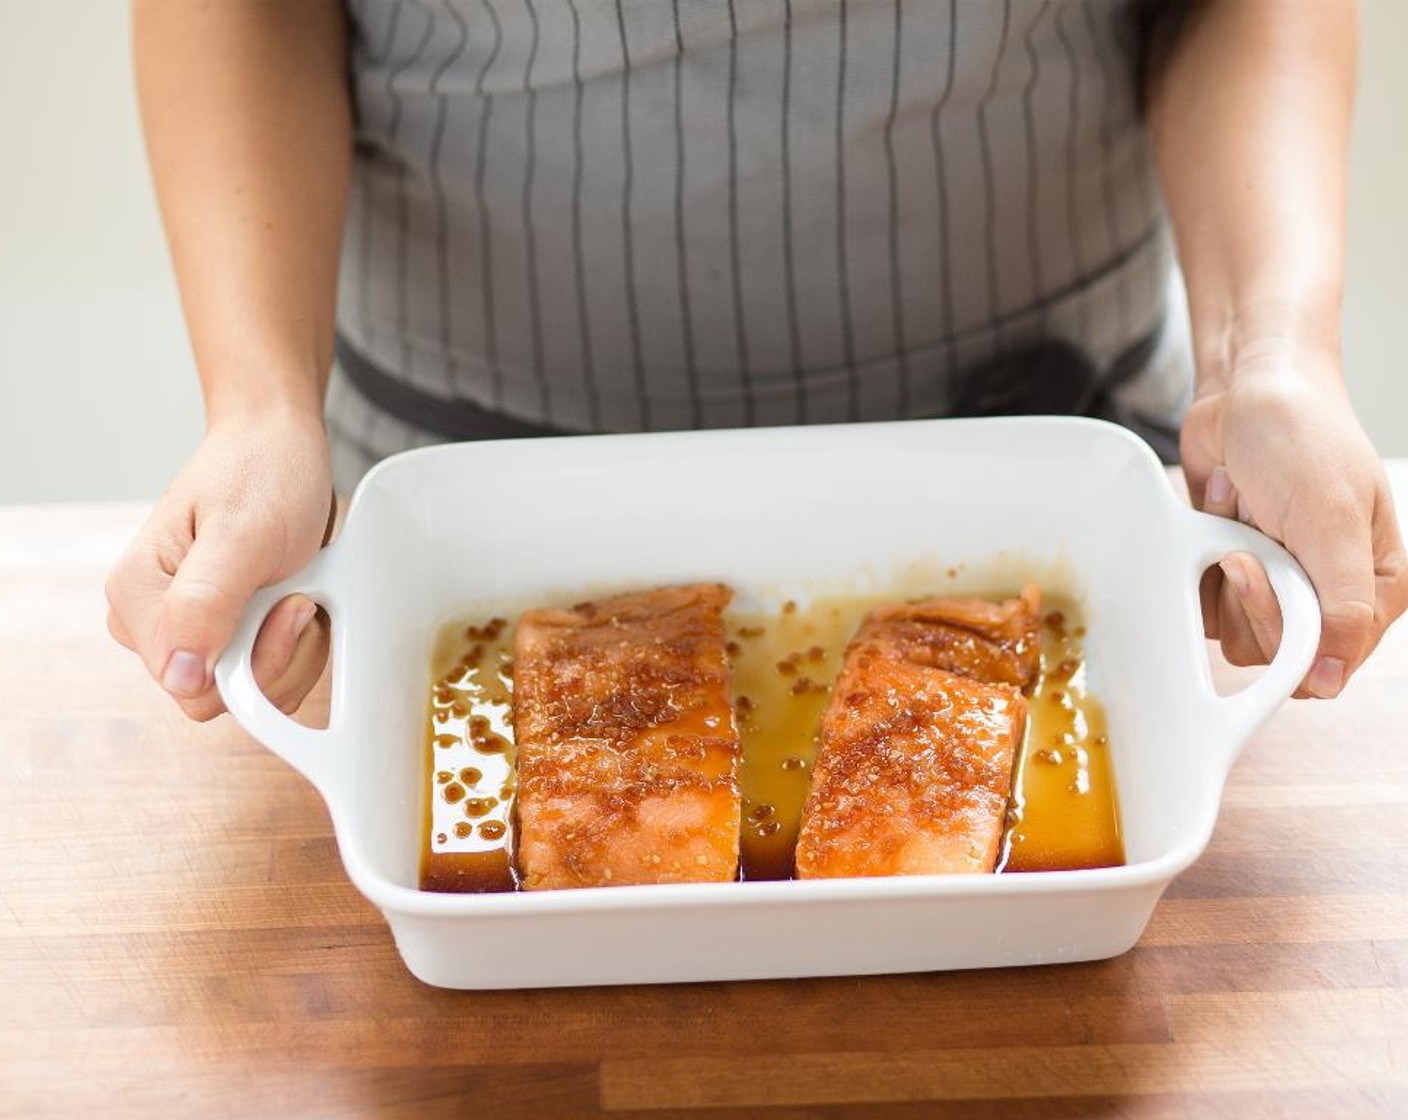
[[989, 195], [1152, 197], [488, 320], [364, 272], [628, 235], [442, 221], [789, 250], [1108, 91], [691, 368], [631, 213], [369, 427], [579, 268], [893, 182], [1033, 163], [530, 241], [402, 294], [843, 279], [936, 116], [735, 252], [1073, 71]]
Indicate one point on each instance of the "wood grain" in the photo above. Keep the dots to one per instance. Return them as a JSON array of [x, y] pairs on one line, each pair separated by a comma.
[[177, 937]]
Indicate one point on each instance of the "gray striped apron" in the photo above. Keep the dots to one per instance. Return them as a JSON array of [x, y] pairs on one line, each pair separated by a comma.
[[623, 215]]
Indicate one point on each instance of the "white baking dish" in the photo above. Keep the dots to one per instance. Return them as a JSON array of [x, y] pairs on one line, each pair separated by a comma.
[[1083, 505]]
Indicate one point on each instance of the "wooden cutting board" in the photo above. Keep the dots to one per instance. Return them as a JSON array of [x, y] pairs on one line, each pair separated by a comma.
[[177, 937]]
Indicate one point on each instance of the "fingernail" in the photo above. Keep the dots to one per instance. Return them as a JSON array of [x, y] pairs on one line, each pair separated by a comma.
[[1219, 487], [1326, 678], [184, 675], [303, 618], [1237, 577]]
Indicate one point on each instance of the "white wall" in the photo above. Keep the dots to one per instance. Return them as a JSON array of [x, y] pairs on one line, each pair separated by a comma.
[[1376, 288], [98, 398]]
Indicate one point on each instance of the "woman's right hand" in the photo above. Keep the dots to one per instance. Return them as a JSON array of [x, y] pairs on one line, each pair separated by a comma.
[[249, 508]]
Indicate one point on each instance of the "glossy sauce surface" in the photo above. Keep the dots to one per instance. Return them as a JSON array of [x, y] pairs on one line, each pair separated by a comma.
[[1063, 814], [783, 664], [467, 835]]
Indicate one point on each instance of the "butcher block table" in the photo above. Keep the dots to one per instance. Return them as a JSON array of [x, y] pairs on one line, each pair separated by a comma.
[[177, 937]]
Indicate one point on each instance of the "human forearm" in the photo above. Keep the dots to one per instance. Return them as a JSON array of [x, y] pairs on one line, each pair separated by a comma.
[[1249, 110], [248, 125]]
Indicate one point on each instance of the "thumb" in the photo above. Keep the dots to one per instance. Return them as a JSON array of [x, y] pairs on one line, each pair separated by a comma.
[[1339, 564], [203, 604]]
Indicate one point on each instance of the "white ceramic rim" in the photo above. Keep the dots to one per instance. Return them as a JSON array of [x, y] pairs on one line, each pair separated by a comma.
[[1227, 721]]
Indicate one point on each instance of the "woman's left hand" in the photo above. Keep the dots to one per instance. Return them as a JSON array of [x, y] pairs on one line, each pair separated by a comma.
[[1279, 447]]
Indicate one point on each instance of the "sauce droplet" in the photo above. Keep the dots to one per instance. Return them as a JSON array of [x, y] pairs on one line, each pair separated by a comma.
[[479, 806]]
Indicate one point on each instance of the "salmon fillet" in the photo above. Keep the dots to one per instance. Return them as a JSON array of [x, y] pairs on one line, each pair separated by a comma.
[[915, 761], [998, 643], [627, 749]]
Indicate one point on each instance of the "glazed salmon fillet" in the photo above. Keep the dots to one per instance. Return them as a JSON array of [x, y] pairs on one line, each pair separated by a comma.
[[915, 761], [627, 749], [997, 643]]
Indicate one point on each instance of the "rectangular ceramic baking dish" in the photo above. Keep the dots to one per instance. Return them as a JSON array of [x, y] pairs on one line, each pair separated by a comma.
[[1083, 505]]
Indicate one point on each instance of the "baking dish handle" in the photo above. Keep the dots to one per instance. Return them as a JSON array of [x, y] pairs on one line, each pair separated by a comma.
[[307, 750], [1235, 717]]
